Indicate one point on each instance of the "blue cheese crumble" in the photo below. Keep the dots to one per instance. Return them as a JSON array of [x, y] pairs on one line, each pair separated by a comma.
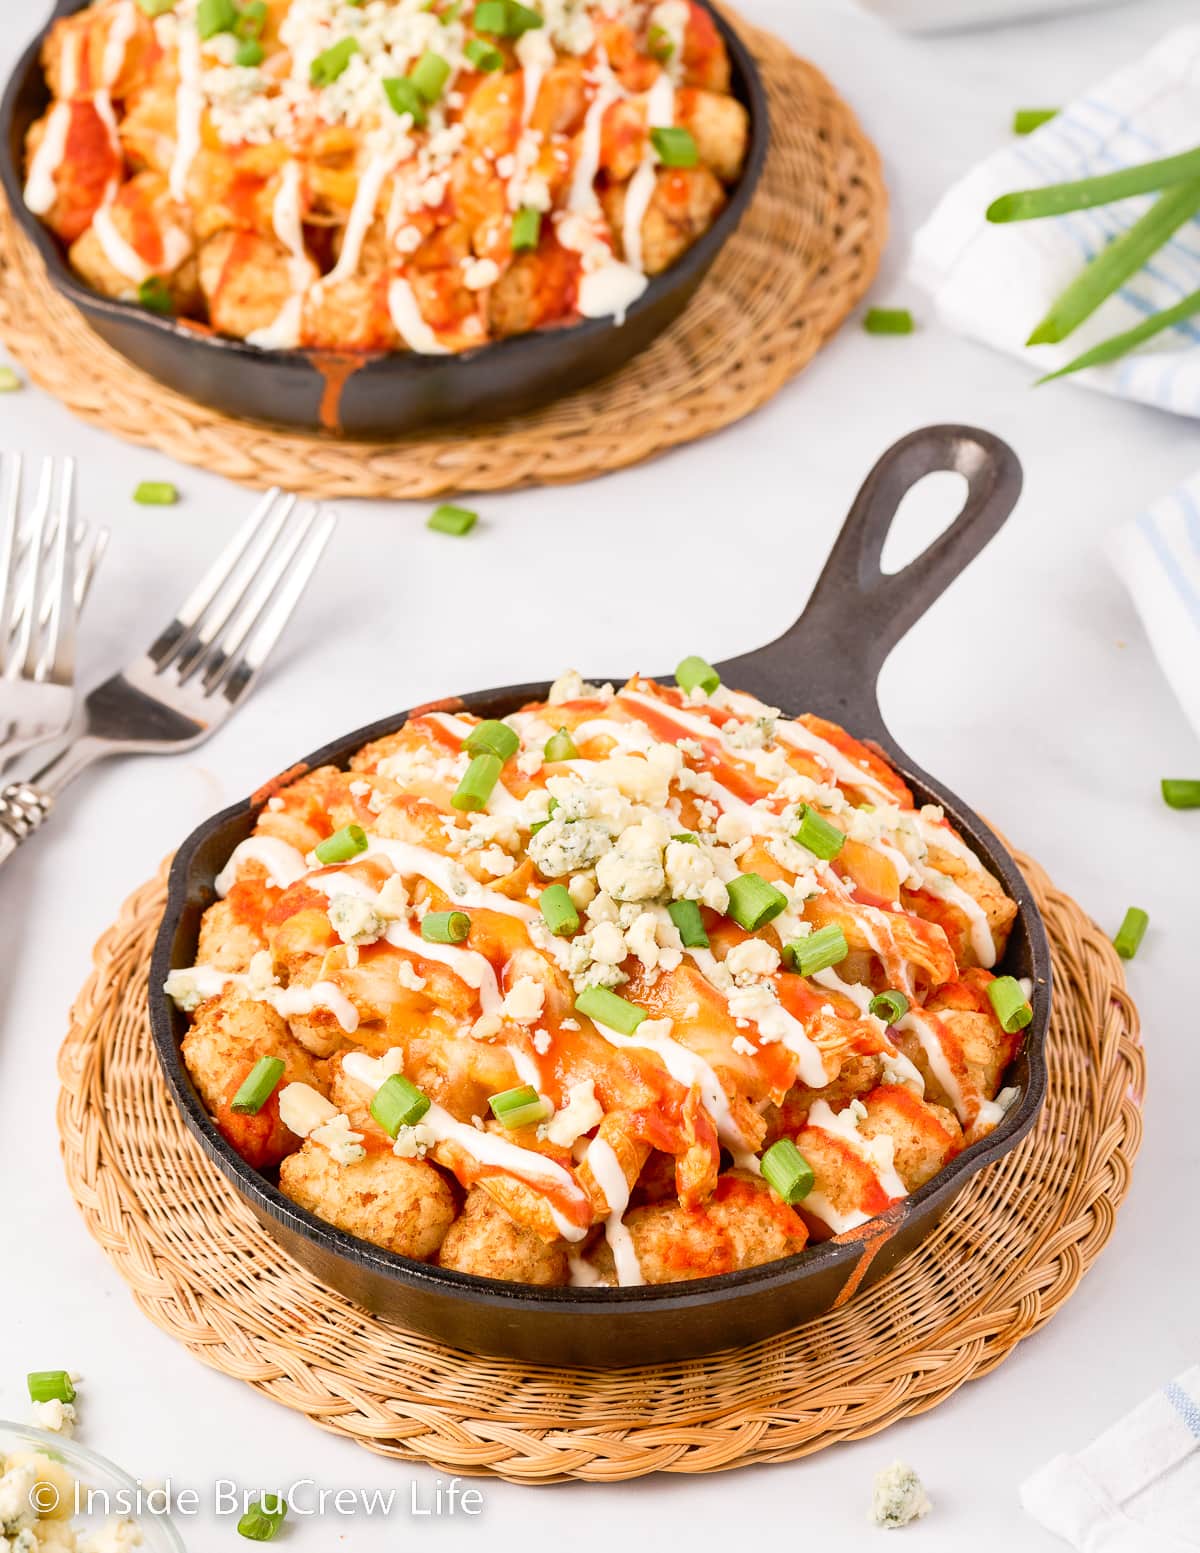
[[899, 1497]]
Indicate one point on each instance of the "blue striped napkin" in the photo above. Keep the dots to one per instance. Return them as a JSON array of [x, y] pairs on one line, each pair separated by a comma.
[[994, 283], [1157, 556]]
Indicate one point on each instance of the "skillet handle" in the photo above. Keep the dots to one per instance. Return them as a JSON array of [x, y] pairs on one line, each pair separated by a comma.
[[829, 661]]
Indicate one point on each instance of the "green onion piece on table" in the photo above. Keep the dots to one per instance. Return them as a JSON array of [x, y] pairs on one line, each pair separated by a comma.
[[690, 924], [342, 845], [888, 320], [606, 1008], [445, 927], [753, 902], [1010, 1004], [1114, 265], [492, 738], [676, 146], [787, 1172], [820, 951], [560, 746], [1181, 794], [891, 1007], [695, 674], [448, 519], [10, 383], [259, 1086], [818, 835], [398, 1103], [522, 1107], [558, 910], [477, 786], [156, 493], [1121, 344], [262, 1520], [1026, 120], [50, 1386], [1131, 932], [1057, 199]]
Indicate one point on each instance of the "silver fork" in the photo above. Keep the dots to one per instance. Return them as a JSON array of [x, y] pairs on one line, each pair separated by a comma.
[[46, 571], [202, 666]]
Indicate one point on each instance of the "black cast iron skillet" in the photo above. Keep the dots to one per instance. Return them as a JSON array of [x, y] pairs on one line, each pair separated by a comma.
[[827, 663], [375, 396]]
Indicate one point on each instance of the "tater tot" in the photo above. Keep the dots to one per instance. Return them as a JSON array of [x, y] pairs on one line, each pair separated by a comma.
[[685, 202], [229, 1035], [926, 1136], [485, 1241], [226, 943], [246, 280], [742, 1225], [720, 127], [403, 1205]]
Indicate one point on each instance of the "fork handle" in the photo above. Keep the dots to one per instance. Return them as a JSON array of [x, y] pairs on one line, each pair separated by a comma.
[[24, 808]]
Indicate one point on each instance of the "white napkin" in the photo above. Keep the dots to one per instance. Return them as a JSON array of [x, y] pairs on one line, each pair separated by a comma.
[[1157, 557], [995, 282], [1134, 1490]]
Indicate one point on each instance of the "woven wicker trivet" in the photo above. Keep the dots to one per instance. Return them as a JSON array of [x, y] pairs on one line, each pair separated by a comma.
[[801, 260], [1010, 1251]]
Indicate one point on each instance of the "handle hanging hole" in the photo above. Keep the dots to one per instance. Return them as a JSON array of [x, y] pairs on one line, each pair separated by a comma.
[[927, 511]]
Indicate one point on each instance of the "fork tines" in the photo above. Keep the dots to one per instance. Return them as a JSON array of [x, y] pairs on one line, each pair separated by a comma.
[[236, 613], [43, 575]]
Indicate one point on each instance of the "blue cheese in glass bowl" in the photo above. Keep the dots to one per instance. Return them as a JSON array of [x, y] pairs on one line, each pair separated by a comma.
[[899, 1497]]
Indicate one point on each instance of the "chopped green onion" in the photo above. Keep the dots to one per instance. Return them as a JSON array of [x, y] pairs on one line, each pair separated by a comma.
[[448, 519], [676, 146], [262, 1521], [660, 43], [398, 1103], [559, 911], [1026, 120], [520, 1107], [479, 782], [329, 64], [155, 295], [249, 53], [10, 383], [50, 1386], [484, 56], [505, 18], [686, 917], [818, 835], [404, 97], [1129, 937], [1009, 1003], [252, 19], [787, 1172], [820, 951], [526, 229], [753, 902], [1116, 263], [606, 1008], [429, 75], [156, 493], [1119, 345], [445, 927], [342, 845], [560, 746], [694, 674], [450, 14], [891, 1007], [214, 16], [155, 7], [258, 1087], [1181, 794], [1057, 199], [492, 738], [686, 837], [888, 320]]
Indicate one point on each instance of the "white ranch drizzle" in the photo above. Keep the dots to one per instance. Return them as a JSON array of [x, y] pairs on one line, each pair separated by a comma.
[[778, 1025], [407, 859], [189, 107], [939, 1063], [287, 218], [208, 982], [469, 966], [41, 191], [362, 213], [982, 942], [610, 1178], [284, 863], [410, 322], [817, 1202], [660, 114], [487, 1149], [689, 1069], [120, 30]]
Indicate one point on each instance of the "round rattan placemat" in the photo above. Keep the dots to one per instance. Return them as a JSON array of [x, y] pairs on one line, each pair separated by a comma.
[[801, 259], [1009, 1252]]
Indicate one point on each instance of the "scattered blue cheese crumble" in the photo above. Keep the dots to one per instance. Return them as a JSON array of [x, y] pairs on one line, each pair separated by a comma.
[[29, 1478], [899, 1497]]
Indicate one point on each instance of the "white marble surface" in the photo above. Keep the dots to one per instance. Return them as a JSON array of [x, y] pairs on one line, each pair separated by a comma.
[[1030, 687]]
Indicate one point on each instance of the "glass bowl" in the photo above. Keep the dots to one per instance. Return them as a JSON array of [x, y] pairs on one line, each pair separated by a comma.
[[104, 1491]]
